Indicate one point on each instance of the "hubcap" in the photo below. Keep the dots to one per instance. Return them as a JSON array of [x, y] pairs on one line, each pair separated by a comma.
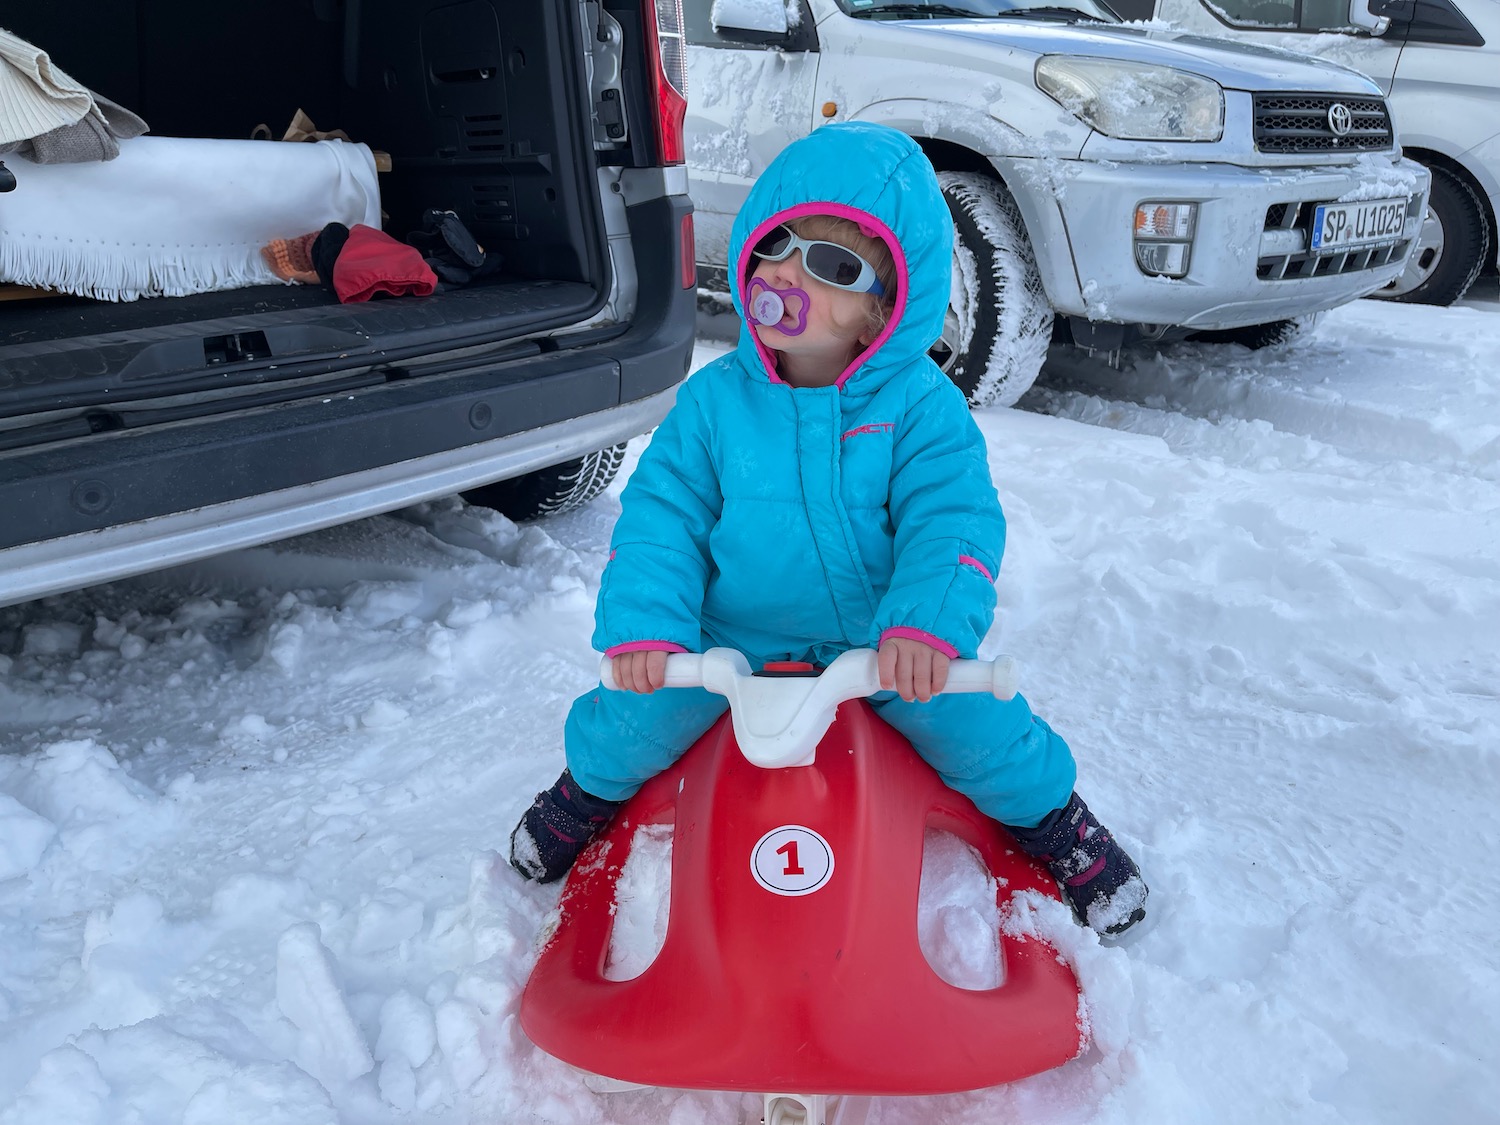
[[1424, 258], [950, 345], [944, 353]]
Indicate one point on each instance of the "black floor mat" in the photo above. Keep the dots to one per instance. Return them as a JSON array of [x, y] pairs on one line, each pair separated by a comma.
[[59, 318]]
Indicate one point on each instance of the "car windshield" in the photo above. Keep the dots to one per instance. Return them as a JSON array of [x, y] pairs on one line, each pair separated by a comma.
[[1090, 10]]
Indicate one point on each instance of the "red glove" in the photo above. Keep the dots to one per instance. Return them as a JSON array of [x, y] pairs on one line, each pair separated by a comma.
[[373, 262]]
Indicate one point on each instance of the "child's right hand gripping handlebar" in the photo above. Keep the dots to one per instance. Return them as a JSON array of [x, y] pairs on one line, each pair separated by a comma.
[[779, 720]]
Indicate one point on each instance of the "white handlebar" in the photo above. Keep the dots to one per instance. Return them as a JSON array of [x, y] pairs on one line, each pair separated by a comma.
[[778, 720]]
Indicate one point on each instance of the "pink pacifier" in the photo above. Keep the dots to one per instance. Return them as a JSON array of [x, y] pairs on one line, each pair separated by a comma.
[[768, 306]]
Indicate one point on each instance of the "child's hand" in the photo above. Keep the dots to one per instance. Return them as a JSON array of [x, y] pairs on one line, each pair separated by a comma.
[[912, 669], [643, 671]]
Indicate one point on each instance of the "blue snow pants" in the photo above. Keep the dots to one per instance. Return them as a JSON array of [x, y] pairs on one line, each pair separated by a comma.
[[995, 752]]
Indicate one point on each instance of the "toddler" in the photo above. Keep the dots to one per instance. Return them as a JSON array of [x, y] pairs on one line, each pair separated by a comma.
[[820, 488]]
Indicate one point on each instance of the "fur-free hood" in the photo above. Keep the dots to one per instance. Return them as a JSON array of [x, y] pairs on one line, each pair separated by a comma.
[[878, 177]]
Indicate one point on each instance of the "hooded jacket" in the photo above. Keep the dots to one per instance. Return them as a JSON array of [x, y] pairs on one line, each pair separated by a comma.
[[796, 523]]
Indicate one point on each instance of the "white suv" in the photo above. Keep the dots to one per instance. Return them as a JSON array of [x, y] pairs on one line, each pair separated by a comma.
[[1438, 62], [1135, 182]]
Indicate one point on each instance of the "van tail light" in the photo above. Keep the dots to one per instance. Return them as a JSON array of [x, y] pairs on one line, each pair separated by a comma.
[[668, 52]]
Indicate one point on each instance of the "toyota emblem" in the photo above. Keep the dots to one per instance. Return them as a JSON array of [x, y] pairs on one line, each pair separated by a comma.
[[1340, 119]]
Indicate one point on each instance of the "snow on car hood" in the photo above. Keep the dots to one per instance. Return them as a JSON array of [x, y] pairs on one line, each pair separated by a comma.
[[1238, 66]]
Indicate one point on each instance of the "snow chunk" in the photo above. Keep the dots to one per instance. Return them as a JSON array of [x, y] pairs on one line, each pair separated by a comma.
[[958, 919], [458, 1032], [192, 1069], [67, 1087], [130, 921], [80, 782], [383, 713], [241, 900], [1107, 992], [407, 1030], [398, 1084], [385, 922], [1114, 909], [263, 1094], [331, 1047], [52, 638], [643, 902], [248, 728], [24, 837]]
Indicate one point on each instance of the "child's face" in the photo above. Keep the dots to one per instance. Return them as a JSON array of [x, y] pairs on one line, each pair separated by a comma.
[[837, 319]]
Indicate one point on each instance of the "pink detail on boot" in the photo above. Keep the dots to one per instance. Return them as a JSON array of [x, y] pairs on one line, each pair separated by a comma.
[[1079, 880]]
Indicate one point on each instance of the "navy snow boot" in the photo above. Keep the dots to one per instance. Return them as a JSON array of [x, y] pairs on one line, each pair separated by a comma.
[[556, 828], [1101, 883]]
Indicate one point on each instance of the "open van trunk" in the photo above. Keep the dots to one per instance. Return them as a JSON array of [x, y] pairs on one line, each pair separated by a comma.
[[483, 111]]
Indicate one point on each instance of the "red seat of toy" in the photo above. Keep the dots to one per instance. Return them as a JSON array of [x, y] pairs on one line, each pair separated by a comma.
[[791, 960]]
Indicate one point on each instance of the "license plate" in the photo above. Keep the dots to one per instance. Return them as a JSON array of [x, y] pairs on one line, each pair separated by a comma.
[[1345, 226]]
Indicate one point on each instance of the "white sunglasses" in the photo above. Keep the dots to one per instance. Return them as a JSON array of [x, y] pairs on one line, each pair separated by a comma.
[[829, 262]]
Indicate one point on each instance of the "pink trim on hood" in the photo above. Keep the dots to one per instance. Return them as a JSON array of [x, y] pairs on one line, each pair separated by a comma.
[[870, 226], [906, 632]]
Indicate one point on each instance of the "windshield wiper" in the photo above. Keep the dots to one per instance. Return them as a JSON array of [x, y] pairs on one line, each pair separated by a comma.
[[933, 10], [1049, 13], [949, 11]]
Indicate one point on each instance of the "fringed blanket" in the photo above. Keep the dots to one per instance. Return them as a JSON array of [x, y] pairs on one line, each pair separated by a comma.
[[174, 216]]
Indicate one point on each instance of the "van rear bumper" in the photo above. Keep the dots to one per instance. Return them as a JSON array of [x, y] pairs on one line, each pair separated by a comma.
[[119, 548]]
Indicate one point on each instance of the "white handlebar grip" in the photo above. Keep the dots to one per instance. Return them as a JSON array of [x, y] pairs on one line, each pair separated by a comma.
[[999, 677]]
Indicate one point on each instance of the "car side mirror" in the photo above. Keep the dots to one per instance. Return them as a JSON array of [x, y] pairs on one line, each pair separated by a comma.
[[1372, 16], [753, 20]]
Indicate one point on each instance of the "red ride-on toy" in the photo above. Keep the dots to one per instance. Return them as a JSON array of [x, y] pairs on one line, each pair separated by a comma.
[[791, 964]]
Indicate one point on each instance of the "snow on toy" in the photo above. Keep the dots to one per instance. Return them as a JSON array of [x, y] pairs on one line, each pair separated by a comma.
[[790, 964]]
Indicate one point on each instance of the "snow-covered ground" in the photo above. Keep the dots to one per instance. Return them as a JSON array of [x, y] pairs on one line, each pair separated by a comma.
[[251, 811]]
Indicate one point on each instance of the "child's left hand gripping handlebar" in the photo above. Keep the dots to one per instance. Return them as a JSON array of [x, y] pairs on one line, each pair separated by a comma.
[[778, 721]]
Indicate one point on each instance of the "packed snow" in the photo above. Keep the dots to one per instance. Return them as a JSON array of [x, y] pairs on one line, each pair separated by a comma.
[[253, 812]]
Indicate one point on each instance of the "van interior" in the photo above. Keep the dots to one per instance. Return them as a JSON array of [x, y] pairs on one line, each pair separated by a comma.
[[480, 106]]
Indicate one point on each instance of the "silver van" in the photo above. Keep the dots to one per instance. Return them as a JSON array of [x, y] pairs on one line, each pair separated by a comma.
[[142, 434]]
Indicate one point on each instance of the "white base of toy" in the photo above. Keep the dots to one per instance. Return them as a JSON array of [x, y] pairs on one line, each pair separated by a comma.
[[816, 1109]]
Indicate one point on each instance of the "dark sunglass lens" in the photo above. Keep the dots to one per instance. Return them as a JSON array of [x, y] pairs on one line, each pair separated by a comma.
[[774, 243], [834, 264]]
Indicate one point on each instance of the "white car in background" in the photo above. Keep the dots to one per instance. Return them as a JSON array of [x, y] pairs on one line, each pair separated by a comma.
[[1438, 62], [1124, 182]]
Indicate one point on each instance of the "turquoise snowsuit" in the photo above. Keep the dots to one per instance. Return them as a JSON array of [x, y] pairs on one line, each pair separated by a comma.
[[796, 523]]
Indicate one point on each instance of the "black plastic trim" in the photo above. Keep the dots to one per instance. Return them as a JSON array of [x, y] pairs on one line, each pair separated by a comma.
[[1440, 21]]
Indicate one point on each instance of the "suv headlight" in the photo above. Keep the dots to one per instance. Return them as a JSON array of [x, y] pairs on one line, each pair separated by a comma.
[[1133, 101]]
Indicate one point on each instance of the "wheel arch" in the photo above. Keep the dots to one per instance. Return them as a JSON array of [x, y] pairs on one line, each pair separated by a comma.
[[1458, 170], [967, 140]]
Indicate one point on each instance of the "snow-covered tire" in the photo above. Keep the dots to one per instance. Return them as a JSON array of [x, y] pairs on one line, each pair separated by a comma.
[[999, 321], [553, 490], [1451, 249], [1257, 336]]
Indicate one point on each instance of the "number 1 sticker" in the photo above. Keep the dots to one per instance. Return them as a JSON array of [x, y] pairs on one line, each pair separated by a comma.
[[791, 860]]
